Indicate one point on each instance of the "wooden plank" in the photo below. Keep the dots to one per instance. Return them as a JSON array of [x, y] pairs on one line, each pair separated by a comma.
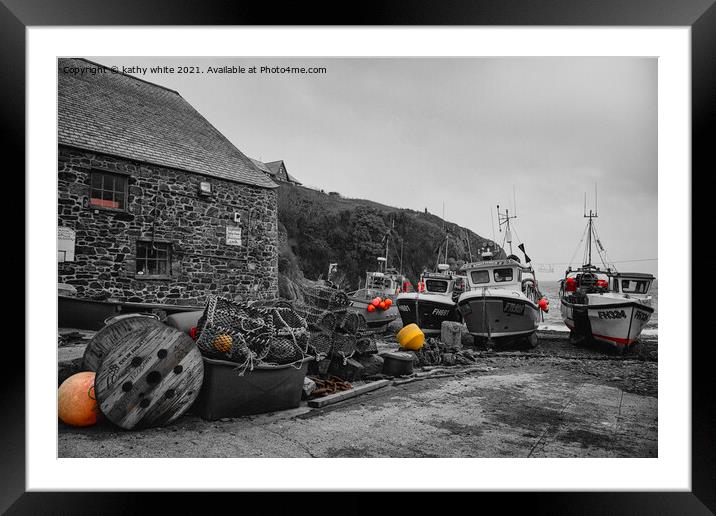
[[110, 336], [149, 379], [344, 395]]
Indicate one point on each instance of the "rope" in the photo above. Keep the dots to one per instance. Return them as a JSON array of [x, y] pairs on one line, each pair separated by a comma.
[[571, 260]]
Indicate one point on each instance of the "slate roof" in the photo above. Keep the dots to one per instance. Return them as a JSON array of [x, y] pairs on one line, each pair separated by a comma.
[[262, 166], [274, 167], [124, 116]]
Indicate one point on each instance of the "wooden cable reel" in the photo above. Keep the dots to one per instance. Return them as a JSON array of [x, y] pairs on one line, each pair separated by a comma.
[[151, 379], [111, 336]]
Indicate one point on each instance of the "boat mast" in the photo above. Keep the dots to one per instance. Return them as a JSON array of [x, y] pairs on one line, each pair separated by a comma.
[[590, 216], [503, 219]]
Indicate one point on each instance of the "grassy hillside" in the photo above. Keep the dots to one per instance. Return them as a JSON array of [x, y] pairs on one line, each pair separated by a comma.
[[318, 228]]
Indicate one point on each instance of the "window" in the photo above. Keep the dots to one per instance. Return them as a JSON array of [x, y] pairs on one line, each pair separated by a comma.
[[635, 286], [436, 285], [503, 275], [480, 277], [154, 258], [107, 190]]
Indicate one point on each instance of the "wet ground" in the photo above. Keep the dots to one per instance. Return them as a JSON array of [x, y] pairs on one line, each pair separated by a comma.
[[553, 401]]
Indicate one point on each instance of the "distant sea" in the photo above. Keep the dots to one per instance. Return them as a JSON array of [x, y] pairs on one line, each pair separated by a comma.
[[553, 319]]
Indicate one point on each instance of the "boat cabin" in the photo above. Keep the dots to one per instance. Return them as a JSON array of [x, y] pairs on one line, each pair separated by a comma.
[[495, 273], [388, 283], [441, 283], [631, 282]]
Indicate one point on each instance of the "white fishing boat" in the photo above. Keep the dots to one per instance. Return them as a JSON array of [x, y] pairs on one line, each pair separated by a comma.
[[601, 303], [435, 300], [502, 302]]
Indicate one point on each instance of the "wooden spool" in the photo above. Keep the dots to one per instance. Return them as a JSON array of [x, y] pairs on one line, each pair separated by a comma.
[[150, 379], [112, 335]]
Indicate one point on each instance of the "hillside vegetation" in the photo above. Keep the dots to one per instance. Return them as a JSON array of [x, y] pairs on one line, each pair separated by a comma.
[[317, 228]]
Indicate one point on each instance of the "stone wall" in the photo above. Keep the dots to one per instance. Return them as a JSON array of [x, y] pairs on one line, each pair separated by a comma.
[[165, 205]]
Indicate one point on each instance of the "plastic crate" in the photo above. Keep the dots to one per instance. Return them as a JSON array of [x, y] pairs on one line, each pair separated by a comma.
[[267, 388]]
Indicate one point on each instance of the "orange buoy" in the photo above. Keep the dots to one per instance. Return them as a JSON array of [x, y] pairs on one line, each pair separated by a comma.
[[382, 306], [371, 308], [222, 343], [76, 401], [376, 301], [388, 302]]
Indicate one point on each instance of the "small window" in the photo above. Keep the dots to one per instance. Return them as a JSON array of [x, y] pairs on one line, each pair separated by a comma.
[[438, 286], [502, 275], [635, 286], [154, 258], [480, 277], [107, 190]]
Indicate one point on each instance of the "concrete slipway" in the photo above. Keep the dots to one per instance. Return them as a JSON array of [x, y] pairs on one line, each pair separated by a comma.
[[554, 401]]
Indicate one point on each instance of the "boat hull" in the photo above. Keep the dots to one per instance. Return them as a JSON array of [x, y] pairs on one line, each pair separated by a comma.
[[496, 316], [90, 314], [618, 323], [428, 311]]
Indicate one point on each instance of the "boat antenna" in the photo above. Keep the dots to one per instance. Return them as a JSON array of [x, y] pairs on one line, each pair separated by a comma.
[[492, 221], [467, 237], [503, 219]]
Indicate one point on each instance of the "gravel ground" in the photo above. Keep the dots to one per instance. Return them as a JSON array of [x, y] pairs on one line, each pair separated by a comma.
[[556, 400]]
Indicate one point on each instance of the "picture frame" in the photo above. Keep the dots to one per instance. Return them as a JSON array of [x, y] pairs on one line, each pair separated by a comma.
[[699, 15]]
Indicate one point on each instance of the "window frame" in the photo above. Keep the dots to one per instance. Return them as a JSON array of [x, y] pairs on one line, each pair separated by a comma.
[[510, 279], [446, 283], [125, 191], [472, 279], [169, 258]]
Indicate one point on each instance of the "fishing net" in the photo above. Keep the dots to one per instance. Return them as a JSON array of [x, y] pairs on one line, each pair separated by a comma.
[[252, 333], [282, 332]]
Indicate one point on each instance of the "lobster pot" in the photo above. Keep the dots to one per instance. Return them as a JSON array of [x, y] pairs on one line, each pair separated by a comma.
[[112, 335], [324, 297], [320, 343], [252, 333], [366, 346], [343, 345]]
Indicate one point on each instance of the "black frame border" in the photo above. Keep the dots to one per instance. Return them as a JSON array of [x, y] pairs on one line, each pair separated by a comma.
[[700, 15]]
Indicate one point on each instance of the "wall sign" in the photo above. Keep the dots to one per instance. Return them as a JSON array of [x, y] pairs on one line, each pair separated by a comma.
[[65, 245], [233, 235]]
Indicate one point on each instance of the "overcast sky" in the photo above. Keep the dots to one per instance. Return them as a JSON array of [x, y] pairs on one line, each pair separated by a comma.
[[417, 132]]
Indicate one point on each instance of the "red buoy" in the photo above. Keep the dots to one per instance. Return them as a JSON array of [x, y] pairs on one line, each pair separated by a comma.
[[371, 308], [376, 301], [544, 304]]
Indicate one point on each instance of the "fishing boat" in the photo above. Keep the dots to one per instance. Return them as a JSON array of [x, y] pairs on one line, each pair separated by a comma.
[[376, 299], [502, 303], [434, 302], [601, 304]]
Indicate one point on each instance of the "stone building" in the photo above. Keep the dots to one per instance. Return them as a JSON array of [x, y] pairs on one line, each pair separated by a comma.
[[276, 170], [155, 205]]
